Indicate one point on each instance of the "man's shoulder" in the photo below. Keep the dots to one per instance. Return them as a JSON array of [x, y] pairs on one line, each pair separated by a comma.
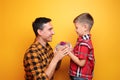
[[33, 48]]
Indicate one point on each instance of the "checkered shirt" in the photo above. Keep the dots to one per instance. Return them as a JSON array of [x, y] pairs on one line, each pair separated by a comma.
[[36, 60]]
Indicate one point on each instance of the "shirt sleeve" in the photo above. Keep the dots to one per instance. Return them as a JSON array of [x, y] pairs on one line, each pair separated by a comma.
[[35, 66], [83, 52]]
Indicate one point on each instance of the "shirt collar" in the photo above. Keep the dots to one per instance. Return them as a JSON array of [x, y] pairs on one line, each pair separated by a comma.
[[84, 37], [38, 43]]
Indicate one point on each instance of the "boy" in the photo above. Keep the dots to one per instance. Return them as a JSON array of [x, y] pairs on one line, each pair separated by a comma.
[[82, 56]]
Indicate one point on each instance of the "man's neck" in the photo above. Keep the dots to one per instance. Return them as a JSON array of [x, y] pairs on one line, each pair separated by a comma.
[[41, 41]]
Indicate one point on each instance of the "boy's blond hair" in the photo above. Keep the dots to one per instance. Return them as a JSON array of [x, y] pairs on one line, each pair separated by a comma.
[[85, 18]]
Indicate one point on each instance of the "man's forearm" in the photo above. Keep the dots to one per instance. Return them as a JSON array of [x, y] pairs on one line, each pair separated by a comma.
[[57, 57], [58, 65], [51, 68]]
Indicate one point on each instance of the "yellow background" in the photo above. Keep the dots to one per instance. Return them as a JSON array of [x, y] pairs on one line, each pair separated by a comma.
[[16, 17]]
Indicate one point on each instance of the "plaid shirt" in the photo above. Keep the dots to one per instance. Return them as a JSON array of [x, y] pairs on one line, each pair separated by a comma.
[[36, 60], [83, 50]]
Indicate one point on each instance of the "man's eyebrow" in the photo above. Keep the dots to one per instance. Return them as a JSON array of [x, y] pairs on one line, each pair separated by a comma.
[[51, 28]]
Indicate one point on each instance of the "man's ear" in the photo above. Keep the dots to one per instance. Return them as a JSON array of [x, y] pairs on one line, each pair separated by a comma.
[[39, 32]]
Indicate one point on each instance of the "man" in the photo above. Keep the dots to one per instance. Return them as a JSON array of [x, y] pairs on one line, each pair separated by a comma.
[[39, 60]]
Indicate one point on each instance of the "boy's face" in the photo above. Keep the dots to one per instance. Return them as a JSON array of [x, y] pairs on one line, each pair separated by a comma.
[[80, 29]]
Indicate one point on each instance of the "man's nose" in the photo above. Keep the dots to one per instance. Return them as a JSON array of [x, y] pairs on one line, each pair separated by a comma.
[[53, 32], [76, 30]]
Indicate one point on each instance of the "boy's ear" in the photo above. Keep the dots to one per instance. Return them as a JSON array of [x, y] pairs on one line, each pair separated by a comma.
[[39, 32], [86, 26]]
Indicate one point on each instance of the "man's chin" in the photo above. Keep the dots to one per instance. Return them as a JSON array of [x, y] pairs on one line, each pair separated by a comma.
[[50, 40]]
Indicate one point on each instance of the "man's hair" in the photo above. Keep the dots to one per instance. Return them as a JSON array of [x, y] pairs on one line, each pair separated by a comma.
[[38, 24], [84, 18]]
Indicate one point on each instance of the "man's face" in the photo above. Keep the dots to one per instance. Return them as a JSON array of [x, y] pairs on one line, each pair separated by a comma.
[[47, 32]]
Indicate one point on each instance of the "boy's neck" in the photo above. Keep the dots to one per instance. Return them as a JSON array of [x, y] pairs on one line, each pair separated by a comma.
[[85, 34]]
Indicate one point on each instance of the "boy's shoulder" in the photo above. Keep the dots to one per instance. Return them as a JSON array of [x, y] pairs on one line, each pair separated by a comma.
[[86, 43]]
